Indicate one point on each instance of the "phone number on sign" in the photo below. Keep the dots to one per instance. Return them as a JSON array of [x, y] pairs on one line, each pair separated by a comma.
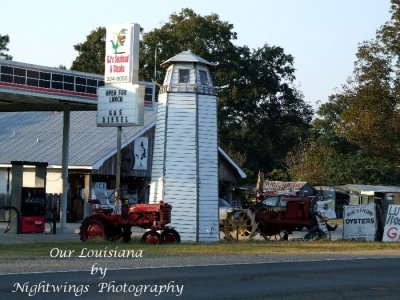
[[116, 78]]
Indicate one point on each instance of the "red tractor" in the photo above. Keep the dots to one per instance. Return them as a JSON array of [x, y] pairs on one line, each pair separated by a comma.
[[104, 224], [275, 216]]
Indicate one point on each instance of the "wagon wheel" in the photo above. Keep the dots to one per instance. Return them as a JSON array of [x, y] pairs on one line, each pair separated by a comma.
[[151, 237], [93, 229], [170, 236], [282, 235], [240, 225]]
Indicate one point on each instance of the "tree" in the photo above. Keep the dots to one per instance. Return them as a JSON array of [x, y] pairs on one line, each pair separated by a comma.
[[206, 36], [91, 53], [4, 40], [261, 113], [371, 119], [320, 162], [359, 126]]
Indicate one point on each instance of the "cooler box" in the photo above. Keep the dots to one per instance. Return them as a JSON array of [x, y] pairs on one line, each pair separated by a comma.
[[32, 224]]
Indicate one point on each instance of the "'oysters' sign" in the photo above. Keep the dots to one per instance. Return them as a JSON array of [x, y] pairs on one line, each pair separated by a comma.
[[359, 222]]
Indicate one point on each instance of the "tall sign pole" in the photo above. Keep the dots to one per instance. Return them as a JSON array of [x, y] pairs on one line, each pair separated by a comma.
[[121, 100]]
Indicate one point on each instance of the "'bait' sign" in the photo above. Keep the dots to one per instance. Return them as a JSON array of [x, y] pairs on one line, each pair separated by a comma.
[[120, 105], [391, 233], [122, 53], [359, 222]]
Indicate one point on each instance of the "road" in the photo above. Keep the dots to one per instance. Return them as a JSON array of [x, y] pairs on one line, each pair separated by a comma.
[[367, 278]]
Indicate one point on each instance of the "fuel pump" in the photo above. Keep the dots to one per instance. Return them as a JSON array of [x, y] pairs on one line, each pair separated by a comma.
[[29, 200]]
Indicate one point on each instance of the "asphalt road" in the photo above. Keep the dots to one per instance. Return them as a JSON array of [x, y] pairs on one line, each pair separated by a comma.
[[367, 278]]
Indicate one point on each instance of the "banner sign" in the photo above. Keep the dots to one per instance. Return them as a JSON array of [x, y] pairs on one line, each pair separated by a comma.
[[120, 105], [359, 222], [122, 53], [141, 153], [391, 232]]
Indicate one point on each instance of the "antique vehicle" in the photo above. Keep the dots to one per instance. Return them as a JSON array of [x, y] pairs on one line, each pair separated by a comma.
[[104, 224], [275, 216]]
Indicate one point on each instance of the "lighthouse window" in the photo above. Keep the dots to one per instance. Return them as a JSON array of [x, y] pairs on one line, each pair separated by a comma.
[[184, 75], [203, 77]]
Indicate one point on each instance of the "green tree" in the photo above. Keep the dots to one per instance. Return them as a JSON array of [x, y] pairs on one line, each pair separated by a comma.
[[4, 40], [320, 162], [206, 36], [358, 128], [370, 120], [261, 113], [91, 53]]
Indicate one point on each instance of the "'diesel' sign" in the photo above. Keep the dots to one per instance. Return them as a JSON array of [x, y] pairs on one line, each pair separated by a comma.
[[120, 105]]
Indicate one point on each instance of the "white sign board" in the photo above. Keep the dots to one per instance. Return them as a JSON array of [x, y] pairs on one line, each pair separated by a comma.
[[120, 105], [141, 153], [391, 233], [122, 53], [359, 222]]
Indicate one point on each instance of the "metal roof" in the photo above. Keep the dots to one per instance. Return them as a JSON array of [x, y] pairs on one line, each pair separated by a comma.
[[360, 188], [187, 56], [283, 185], [234, 165], [37, 136]]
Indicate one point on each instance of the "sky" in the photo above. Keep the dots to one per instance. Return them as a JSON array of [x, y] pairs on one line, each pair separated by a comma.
[[321, 35]]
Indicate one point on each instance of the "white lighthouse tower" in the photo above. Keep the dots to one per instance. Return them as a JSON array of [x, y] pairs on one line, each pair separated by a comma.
[[185, 159]]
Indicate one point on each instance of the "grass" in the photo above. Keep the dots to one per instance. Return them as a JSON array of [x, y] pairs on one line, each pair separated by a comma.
[[38, 250]]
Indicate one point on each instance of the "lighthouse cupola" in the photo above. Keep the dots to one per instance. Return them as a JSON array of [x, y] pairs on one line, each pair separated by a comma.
[[188, 72]]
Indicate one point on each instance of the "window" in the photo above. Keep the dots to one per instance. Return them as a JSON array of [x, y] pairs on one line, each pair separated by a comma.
[[148, 93], [203, 77], [270, 201], [184, 75]]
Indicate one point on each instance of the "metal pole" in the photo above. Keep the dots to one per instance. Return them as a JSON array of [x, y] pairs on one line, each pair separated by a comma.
[[64, 176], [118, 174], [155, 64]]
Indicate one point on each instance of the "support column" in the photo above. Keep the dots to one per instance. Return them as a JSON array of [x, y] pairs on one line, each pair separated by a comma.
[[40, 175], [118, 175], [87, 195], [64, 175], [16, 195]]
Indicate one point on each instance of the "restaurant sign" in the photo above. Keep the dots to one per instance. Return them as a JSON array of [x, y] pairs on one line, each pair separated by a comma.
[[122, 53]]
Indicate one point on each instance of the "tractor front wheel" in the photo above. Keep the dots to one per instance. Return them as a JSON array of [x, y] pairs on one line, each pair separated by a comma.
[[170, 236], [93, 229], [151, 237]]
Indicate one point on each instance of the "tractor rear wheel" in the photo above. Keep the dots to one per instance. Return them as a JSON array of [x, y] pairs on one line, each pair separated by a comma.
[[126, 235], [151, 237], [282, 235], [93, 229], [170, 236], [240, 225]]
